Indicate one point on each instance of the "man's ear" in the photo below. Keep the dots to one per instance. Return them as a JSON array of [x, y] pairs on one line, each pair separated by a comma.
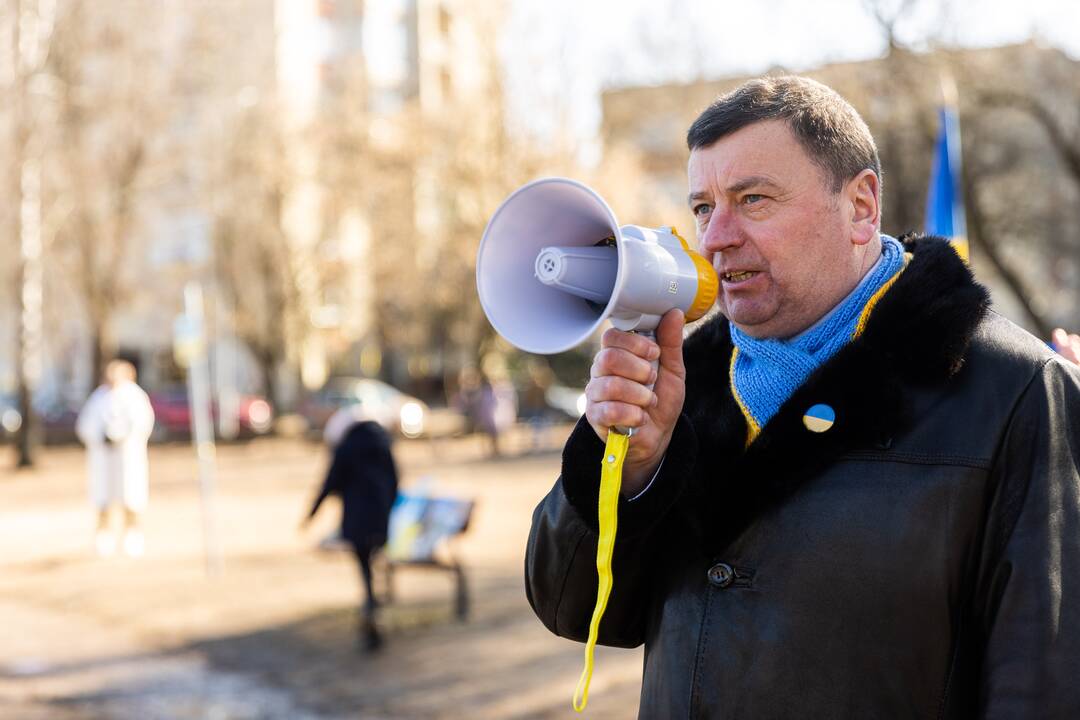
[[863, 195]]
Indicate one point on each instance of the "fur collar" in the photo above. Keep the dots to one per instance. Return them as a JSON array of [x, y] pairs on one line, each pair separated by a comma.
[[917, 335]]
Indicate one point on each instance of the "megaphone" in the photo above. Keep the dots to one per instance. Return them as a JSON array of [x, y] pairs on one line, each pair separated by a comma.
[[554, 264]]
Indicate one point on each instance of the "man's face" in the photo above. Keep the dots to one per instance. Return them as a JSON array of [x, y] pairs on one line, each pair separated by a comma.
[[779, 237]]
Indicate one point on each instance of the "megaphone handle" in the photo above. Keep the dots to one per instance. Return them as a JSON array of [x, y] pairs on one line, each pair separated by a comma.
[[629, 432]]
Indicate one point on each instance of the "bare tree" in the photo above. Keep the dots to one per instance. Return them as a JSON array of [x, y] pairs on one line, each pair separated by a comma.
[[427, 176], [254, 263], [31, 38], [111, 95], [998, 231], [888, 14], [1066, 143], [477, 156]]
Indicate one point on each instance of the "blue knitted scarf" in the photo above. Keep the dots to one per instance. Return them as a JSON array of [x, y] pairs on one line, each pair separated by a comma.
[[766, 372]]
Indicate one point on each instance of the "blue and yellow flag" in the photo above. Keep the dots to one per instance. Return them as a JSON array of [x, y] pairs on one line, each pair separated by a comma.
[[945, 200]]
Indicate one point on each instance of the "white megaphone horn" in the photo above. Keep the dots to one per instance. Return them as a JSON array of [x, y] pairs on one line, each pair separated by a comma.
[[554, 264]]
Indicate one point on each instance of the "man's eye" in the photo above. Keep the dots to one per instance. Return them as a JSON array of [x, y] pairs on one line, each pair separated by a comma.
[[752, 198], [701, 209]]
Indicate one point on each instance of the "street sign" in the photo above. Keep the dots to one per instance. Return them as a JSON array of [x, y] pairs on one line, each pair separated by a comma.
[[188, 341]]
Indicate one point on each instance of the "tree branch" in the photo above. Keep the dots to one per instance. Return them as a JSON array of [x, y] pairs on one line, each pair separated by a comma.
[[978, 233], [1055, 131]]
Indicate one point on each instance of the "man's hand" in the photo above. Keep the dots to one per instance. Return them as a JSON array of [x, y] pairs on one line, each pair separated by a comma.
[[1067, 345], [618, 394]]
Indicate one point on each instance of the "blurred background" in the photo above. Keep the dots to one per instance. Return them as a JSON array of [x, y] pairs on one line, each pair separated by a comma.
[[290, 195]]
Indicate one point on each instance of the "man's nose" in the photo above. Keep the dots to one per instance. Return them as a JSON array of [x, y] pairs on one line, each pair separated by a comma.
[[722, 233]]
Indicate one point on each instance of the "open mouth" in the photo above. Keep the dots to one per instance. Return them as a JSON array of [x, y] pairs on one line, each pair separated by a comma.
[[739, 275]]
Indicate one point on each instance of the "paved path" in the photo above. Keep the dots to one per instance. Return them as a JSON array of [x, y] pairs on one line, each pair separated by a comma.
[[273, 636]]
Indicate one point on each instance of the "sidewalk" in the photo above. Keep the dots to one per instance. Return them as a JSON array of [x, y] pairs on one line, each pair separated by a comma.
[[273, 637]]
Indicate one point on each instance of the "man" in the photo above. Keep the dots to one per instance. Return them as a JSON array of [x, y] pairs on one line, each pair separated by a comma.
[[853, 495], [115, 425]]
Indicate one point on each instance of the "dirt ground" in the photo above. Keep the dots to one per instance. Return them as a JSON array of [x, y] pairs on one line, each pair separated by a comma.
[[273, 636]]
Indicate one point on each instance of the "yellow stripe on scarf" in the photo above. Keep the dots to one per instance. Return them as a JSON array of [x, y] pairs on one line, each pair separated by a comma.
[[753, 429], [864, 316]]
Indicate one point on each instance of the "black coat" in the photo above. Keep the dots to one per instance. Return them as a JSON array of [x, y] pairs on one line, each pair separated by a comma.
[[363, 475], [920, 559]]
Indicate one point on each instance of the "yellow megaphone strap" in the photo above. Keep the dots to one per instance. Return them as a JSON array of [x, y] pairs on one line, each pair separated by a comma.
[[610, 482]]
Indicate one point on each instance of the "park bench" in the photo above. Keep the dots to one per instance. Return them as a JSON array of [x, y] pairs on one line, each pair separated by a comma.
[[423, 533]]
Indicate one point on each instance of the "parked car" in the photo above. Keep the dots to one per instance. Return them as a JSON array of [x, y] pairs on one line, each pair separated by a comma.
[[55, 420], [58, 418], [172, 414], [396, 411]]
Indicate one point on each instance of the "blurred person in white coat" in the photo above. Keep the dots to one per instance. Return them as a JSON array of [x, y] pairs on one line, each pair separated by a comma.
[[115, 425]]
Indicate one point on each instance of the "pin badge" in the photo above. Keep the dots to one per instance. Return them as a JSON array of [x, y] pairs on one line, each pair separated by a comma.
[[819, 418]]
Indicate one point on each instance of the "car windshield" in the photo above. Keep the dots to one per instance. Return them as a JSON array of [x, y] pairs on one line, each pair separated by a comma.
[[366, 390], [386, 392]]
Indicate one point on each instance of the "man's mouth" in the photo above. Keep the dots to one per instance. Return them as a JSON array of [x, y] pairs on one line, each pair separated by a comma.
[[739, 275]]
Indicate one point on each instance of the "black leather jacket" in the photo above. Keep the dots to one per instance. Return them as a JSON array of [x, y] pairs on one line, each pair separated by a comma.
[[920, 559]]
